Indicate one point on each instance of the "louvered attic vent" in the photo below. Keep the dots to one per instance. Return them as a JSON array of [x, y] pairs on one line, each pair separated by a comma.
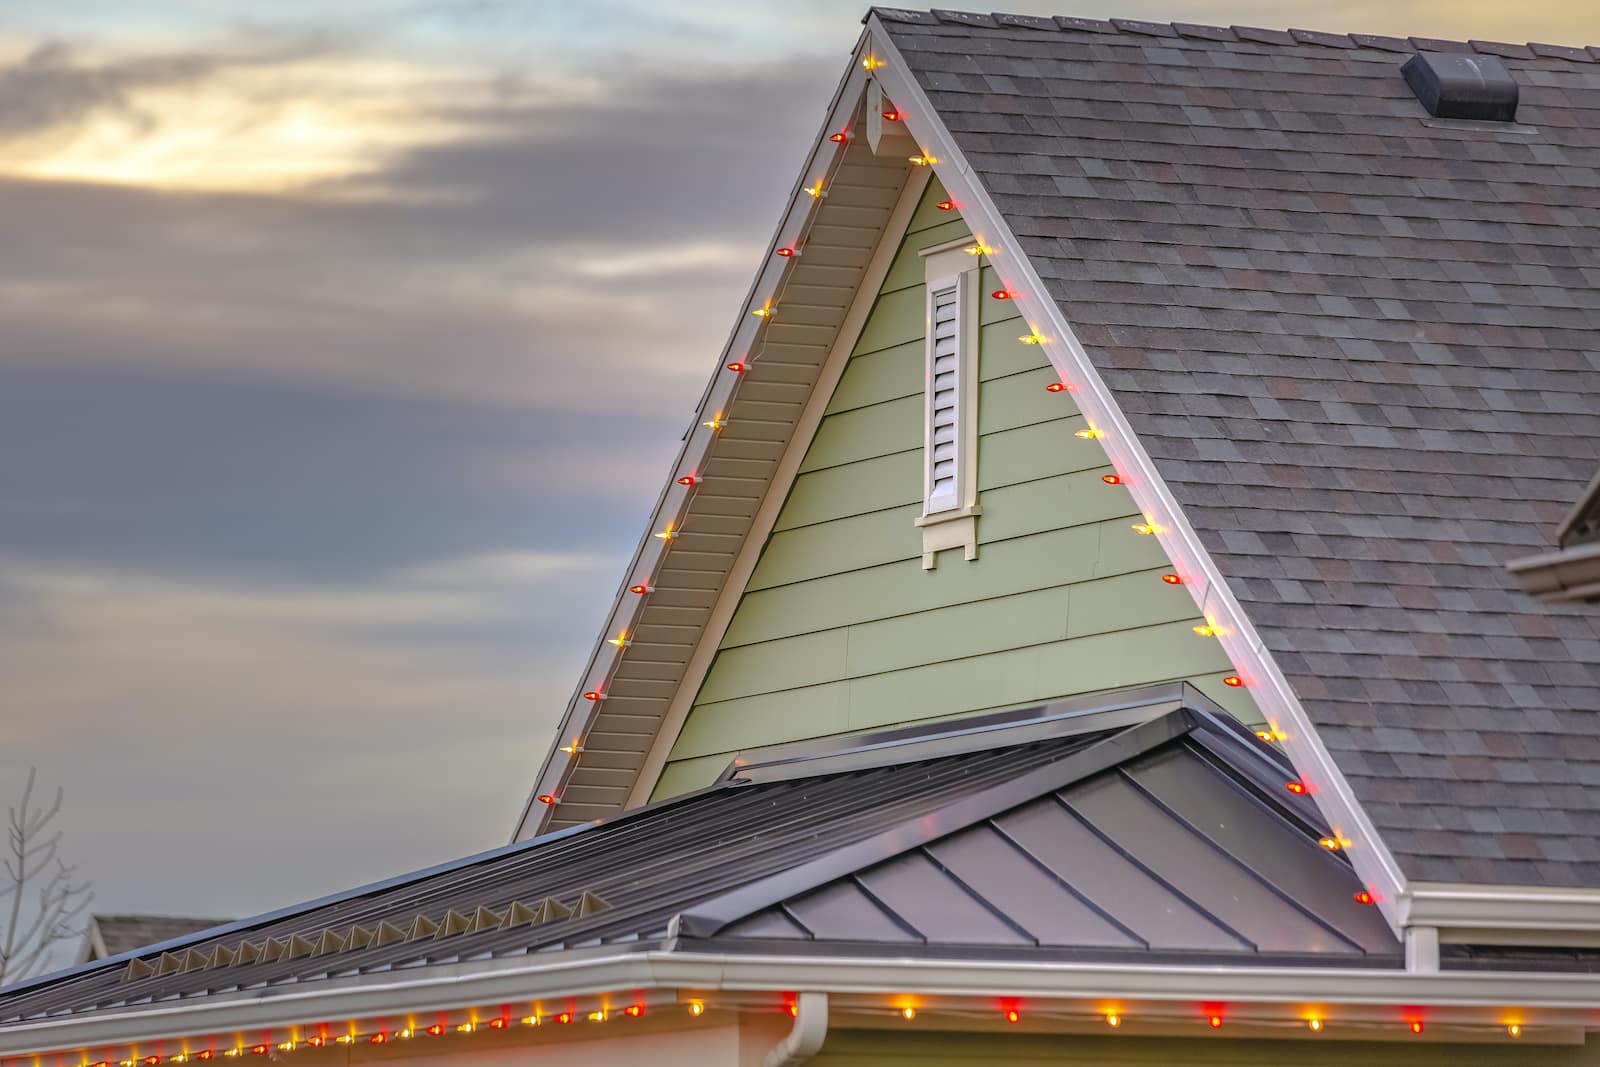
[[1459, 86], [350, 938]]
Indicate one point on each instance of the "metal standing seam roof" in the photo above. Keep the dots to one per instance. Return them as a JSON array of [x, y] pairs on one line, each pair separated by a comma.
[[1045, 834], [1362, 347]]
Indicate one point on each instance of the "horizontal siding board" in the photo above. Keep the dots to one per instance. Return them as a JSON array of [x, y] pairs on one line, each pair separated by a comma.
[[907, 270], [896, 318], [899, 588], [841, 628]]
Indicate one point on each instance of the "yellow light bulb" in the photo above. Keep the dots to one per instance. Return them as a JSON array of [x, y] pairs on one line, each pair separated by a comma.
[[621, 640], [697, 1007], [815, 191], [597, 1016], [872, 63], [715, 424], [1089, 434], [908, 1014], [922, 161], [466, 1028], [763, 313], [1031, 339], [1113, 1021], [1204, 631], [1144, 528], [572, 749], [531, 1020], [1315, 1024], [1514, 1030], [667, 534], [285, 1046], [404, 1033]]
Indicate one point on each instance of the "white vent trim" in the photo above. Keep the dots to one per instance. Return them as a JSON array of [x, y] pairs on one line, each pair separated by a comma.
[[950, 401]]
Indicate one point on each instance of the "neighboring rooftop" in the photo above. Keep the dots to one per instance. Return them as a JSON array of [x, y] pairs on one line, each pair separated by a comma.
[[1053, 832], [112, 935], [1362, 346]]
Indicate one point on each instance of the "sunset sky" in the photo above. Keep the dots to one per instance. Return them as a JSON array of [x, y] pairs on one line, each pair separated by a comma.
[[344, 345]]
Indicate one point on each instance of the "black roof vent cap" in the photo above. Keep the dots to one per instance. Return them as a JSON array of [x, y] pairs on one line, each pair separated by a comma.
[[1459, 86]]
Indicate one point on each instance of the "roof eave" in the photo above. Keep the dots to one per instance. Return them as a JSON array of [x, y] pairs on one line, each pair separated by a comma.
[[1572, 574], [1560, 1001]]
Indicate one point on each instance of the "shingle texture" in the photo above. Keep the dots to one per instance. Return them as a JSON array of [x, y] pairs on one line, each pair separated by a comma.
[[1363, 348], [124, 933]]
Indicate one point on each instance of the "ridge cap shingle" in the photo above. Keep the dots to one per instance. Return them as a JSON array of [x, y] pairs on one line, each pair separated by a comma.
[[1315, 38]]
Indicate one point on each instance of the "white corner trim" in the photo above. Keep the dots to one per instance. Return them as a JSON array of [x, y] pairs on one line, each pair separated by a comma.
[[1371, 857], [744, 565], [1571, 574]]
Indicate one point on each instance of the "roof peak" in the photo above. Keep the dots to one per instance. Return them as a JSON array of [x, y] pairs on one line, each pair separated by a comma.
[[1234, 34]]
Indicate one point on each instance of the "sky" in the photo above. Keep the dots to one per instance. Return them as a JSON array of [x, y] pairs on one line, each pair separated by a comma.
[[344, 346]]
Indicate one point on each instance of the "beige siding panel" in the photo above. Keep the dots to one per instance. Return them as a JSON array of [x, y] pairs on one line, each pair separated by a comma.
[[846, 545], [1035, 451]]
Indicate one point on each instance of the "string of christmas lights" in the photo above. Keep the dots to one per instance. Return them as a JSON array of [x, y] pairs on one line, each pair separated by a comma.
[[1012, 1012]]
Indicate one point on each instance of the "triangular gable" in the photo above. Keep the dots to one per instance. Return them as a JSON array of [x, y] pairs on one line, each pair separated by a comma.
[[634, 697], [843, 626]]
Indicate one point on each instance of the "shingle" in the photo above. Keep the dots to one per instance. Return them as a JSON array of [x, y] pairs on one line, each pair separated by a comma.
[[1358, 346]]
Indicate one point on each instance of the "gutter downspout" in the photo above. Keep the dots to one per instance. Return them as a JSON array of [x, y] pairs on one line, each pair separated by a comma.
[[810, 1028]]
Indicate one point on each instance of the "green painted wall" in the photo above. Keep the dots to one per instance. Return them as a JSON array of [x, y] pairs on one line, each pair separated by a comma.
[[840, 628], [864, 1048]]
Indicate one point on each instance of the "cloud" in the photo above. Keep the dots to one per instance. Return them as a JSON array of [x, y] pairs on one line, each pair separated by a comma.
[[304, 736]]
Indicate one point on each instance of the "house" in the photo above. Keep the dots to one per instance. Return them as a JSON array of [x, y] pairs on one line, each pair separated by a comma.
[[112, 935], [1090, 618]]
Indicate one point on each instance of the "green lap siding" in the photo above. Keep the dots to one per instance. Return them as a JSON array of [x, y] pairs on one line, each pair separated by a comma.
[[840, 627]]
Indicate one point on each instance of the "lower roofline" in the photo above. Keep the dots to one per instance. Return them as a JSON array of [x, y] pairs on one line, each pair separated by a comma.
[[1469, 999]]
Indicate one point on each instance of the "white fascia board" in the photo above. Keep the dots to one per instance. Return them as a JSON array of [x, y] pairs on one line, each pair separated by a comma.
[[1468, 998], [1371, 857], [1502, 908], [673, 503]]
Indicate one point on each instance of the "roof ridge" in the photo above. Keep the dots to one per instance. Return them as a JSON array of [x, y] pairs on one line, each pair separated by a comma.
[[1245, 34]]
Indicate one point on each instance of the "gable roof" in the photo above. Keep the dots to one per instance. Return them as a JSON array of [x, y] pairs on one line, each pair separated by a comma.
[[1253, 885], [1362, 347], [112, 935]]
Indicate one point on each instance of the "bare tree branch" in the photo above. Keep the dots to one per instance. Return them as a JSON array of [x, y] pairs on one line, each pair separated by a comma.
[[32, 870]]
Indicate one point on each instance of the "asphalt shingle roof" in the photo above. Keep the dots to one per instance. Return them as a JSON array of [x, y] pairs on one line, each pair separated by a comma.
[[1363, 347]]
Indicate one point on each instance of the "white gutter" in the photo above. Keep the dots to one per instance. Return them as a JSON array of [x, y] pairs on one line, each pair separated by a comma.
[[810, 1030], [1505, 908], [1570, 574], [576, 976]]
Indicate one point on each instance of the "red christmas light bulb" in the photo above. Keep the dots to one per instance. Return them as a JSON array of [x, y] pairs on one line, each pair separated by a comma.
[[547, 798], [633, 1011], [436, 1029], [687, 479], [738, 368], [946, 205], [841, 137], [594, 694], [1111, 479], [1056, 387], [1297, 788], [1216, 1022], [1363, 897], [892, 115], [1172, 579], [1013, 1015], [785, 252], [1233, 680], [497, 1024]]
